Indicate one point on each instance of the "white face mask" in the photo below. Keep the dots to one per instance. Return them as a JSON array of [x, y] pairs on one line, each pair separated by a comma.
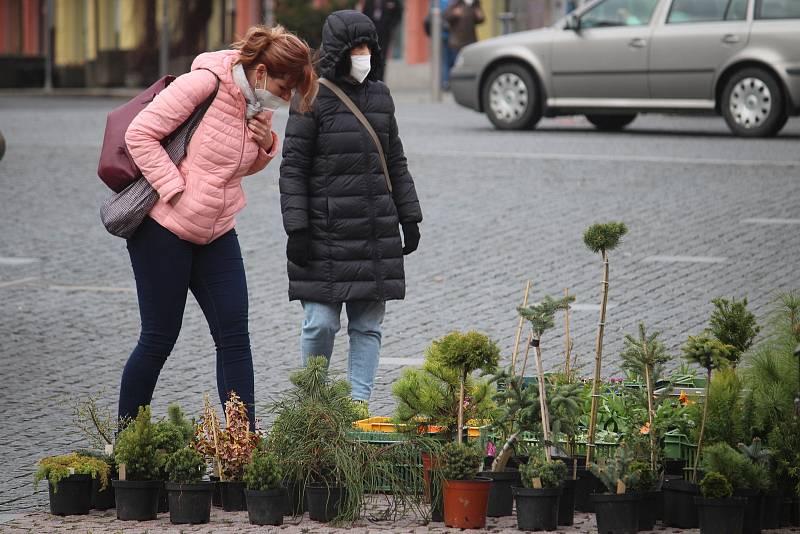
[[267, 99], [359, 67]]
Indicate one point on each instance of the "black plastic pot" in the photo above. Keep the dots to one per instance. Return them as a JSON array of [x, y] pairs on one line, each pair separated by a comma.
[[674, 467], [752, 510], [296, 503], [617, 514], [73, 496], [102, 500], [266, 507], [786, 512], [501, 500], [232, 495], [771, 509], [585, 485], [189, 503], [515, 461], [720, 516], [216, 498], [795, 512], [137, 500], [647, 509], [679, 507], [537, 509], [163, 500], [323, 502], [566, 503]]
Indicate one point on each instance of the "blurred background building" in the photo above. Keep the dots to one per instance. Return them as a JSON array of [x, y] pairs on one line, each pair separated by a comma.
[[118, 43]]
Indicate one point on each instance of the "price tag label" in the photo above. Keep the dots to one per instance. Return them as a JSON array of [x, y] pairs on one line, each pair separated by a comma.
[[621, 487], [537, 483], [122, 471], [109, 449]]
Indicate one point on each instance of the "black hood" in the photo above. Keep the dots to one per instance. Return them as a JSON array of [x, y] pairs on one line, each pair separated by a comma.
[[342, 31]]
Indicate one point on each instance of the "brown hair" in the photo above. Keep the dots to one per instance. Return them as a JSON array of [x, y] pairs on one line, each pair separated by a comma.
[[285, 55]]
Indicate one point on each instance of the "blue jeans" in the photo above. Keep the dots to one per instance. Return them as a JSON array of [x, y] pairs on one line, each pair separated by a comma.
[[364, 319], [166, 268]]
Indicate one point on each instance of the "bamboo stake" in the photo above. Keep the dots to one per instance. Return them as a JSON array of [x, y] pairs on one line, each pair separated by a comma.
[[214, 425], [519, 331], [543, 401], [702, 430], [567, 340], [598, 359], [461, 410], [527, 349]]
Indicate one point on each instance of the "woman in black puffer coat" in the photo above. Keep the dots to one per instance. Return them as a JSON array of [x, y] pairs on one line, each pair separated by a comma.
[[342, 219]]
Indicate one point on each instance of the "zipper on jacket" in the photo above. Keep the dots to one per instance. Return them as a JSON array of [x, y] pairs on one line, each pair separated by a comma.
[[235, 170]]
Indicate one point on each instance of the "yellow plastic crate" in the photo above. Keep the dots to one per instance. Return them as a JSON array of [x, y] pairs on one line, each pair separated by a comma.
[[384, 424]]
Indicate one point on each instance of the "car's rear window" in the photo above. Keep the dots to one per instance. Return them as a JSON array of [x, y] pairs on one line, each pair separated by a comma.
[[778, 9]]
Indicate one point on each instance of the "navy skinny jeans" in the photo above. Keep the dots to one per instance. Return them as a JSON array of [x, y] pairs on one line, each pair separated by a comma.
[[166, 268]]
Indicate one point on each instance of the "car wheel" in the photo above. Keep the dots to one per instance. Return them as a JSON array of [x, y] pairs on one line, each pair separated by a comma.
[[510, 98], [611, 123], [753, 104]]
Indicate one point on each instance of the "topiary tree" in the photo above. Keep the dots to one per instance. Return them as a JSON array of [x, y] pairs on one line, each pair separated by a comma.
[[467, 353], [715, 486], [645, 356], [733, 324], [600, 238], [710, 354], [541, 316]]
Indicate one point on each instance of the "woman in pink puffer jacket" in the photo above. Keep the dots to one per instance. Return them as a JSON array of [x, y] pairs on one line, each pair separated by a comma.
[[188, 242]]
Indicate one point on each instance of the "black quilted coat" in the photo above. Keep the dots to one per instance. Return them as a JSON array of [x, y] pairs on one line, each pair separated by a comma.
[[333, 186]]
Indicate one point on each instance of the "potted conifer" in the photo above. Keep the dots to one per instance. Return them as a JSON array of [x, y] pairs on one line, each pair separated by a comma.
[[537, 501], [466, 496], [645, 484], [617, 510], [266, 496], [137, 456], [719, 512], [189, 495], [69, 480]]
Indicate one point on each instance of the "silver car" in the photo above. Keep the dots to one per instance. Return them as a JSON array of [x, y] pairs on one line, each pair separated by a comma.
[[612, 59]]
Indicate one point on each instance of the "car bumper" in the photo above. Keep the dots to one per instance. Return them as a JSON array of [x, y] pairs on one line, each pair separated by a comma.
[[464, 86]]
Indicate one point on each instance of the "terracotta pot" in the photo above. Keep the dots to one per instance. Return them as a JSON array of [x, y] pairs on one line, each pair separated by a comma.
[[428, 462], [466, 502]]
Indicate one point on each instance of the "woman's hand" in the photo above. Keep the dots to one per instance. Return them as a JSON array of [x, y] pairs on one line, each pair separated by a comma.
[[260, 127]]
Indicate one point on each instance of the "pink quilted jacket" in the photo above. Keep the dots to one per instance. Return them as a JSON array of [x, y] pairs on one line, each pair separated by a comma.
[[220, 154]]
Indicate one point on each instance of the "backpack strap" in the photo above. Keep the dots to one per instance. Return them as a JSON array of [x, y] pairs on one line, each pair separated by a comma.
[[364, 122]]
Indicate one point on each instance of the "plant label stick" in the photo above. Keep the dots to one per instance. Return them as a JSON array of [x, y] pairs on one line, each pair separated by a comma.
[[620, 487], [109, 449], [537, 483], [121, 468]]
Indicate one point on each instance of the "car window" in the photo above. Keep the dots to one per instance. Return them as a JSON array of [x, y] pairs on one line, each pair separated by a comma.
[[778, 9], [619, 13], [706, 11]]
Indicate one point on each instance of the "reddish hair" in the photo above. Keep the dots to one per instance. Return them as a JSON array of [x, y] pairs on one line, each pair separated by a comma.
[[285, 55]]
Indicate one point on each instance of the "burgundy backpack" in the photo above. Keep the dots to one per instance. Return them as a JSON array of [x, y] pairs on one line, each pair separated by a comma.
[[117, 169]]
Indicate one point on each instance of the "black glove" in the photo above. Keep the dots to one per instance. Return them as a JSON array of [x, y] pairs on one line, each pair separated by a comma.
[[410, 238], [297, 247]]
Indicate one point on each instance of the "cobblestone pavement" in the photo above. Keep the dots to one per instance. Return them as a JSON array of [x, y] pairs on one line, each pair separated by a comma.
[[709, 215], [235, 522]]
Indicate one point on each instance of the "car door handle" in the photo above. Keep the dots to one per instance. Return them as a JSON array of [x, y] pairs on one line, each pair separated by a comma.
[[731, 39], [637, 42]]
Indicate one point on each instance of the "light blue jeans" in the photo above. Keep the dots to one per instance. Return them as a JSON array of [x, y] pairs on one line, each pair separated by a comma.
[[364, 319]]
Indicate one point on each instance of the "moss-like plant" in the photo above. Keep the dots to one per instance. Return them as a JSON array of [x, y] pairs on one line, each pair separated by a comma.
[[710, 354], [715, 486], [600, 238], [263, 473], [460, 461], [466, 353], [550, 474], [733, 324], [614, 470], [185, 466], [136, 448], [645, 356], [57, 468]]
